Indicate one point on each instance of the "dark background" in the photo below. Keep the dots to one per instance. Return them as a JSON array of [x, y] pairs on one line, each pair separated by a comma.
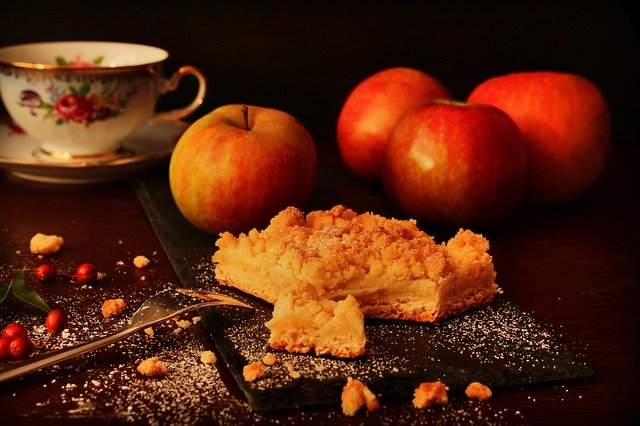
[[305, 57]]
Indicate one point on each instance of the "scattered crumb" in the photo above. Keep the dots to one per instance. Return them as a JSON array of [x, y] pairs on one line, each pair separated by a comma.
[[429, 393], [100, 276], [269, 359], [319, 368], [208, 357], [113, 307], [356, 395], [141, 261], [254, 371], [149, 331], [183, 323], [45, 244], [152, 367], [477, 390], [119, 263], [292, 370], [196, 320]]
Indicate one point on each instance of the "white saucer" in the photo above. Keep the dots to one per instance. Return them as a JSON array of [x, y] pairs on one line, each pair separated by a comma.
[[147, 147]]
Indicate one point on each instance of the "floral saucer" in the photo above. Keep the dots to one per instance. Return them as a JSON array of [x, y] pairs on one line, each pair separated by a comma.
[[151, 145]]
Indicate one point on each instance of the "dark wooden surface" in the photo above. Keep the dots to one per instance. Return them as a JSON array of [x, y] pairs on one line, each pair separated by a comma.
[[575, 269]]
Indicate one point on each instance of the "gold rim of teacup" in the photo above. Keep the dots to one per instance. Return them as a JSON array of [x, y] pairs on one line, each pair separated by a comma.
[[92, 69], [64, 68]]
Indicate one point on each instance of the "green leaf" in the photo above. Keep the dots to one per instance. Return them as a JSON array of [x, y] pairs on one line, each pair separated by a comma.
[[60, 60], [21, 291], [4, 292], [84, 89], [73, 90]]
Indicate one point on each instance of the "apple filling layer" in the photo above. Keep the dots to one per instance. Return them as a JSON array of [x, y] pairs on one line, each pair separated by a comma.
[[392, 268]]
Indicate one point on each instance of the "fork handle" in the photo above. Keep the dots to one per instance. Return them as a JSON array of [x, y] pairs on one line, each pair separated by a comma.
[[36, 362]]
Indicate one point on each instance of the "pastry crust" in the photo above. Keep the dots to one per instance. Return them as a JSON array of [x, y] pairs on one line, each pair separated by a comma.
[[392, 268]]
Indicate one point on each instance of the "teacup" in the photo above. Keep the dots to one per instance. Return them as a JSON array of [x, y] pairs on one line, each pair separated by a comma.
[[80, 99]]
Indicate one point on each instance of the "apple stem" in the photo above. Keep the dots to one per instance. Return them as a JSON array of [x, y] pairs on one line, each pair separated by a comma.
[[245, 115]]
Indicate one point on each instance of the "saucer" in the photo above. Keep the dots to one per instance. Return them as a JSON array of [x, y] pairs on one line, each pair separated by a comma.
[[151, 145]]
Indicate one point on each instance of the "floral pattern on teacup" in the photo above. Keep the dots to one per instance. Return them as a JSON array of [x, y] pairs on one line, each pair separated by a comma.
[[77, 103], [78, 62]]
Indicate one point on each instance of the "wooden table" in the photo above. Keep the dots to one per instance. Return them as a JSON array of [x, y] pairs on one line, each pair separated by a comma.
[[575, 269]]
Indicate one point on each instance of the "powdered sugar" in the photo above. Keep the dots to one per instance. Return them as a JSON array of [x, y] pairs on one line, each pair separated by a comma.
[[106, 386]]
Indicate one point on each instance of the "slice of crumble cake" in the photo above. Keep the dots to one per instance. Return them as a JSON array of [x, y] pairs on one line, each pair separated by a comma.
[[392, 268]]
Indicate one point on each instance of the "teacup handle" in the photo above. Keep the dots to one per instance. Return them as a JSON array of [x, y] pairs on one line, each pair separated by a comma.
[[172, 84]]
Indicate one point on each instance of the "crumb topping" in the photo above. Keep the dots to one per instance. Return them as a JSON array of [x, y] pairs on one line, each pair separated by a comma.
[[45, 244], [291, 369], [113, 307], [141, 261], [476, 390], [253, 371], [269, 359], [208, 357], [429, 393], [152, 367], [356, 395]]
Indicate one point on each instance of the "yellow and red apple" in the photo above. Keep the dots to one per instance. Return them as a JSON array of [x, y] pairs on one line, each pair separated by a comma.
[[238, 166], [565, 123], [372, 109], [456, 164]]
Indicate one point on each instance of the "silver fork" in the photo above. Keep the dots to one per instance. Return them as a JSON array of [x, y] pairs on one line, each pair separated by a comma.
[[161, 307]]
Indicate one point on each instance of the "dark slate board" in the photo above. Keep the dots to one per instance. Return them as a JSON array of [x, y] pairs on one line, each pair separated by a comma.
[[498, 345]]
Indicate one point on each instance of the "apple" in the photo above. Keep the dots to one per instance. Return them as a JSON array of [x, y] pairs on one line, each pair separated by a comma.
[[456, 164], [372, 109], [566, 125], [238, 166]]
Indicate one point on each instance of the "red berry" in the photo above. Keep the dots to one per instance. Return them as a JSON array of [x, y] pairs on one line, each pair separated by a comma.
[[21, 347], [86, 273], [46, 273], [5, 352], [14, 330], [56, 321]]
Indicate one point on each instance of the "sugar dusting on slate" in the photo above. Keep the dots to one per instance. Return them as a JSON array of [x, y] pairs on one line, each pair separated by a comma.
[[107, 385], [498, 345]]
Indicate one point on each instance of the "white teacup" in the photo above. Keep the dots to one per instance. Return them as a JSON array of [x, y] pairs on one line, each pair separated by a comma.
[[82, 98]]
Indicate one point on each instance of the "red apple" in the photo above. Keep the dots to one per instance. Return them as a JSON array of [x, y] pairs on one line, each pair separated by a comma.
[[237, 166], [456, 164], [372, 109], [565, 122]]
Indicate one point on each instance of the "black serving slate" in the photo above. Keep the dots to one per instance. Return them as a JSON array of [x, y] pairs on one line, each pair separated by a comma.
[[498, 345]]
